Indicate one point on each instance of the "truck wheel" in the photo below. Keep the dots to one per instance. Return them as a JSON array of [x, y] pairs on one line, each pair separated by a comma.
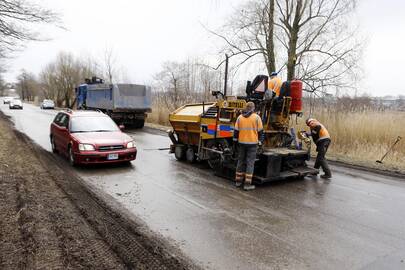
[[190, 155], [179, 152], [140, 123]]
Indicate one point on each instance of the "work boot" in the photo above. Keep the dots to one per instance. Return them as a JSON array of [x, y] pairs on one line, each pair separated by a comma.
[[326, 176], [238, 184], [249, 187]]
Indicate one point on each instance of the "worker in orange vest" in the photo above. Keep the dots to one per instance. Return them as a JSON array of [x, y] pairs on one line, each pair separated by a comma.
[[274, 83], [321, 138], [248, 133]]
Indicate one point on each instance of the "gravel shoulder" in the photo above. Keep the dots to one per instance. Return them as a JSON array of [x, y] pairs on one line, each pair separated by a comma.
[[49, 219]]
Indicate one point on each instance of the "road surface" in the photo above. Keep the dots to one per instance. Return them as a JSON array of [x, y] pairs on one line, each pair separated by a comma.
[[354, 221]]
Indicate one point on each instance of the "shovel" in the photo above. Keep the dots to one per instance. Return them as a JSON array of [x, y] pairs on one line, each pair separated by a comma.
[[389, 150]]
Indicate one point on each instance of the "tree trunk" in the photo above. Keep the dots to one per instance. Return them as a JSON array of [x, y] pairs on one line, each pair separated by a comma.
[[271, 59], [292, 44]]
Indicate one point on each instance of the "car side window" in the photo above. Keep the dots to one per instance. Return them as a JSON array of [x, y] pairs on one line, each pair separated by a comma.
[[65, 121], [57, 118]]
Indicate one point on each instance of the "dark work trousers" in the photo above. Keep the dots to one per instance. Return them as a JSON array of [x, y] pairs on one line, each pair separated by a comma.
[[246, 161], [322, 148]]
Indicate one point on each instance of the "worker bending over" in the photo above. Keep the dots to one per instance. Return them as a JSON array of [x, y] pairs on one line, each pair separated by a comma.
[[274, 83], [321, 138], [248, 133]]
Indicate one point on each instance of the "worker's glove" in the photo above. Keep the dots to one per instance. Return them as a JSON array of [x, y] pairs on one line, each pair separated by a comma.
[[235, 139], [260, 144]]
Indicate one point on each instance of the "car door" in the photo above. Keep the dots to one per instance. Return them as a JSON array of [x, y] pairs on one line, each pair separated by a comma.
[[60, 131], [55, 130], [64, 132]]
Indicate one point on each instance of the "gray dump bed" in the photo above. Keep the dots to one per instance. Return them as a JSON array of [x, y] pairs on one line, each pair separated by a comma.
[[119, 97]]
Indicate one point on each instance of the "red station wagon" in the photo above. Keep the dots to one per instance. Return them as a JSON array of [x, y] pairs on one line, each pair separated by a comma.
[[88, 137]]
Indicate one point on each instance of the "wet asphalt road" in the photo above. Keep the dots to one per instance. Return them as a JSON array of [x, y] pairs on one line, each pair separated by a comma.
[[355, 221]]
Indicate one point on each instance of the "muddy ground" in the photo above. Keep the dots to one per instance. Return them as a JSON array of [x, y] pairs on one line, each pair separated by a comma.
[[50, 220]]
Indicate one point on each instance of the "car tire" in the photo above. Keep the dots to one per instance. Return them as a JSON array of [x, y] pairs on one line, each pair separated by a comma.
[[71, 157], [53, 145]]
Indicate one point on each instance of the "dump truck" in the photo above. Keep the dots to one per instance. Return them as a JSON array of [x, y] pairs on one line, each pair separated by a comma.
[[126, 104], [204, 132]]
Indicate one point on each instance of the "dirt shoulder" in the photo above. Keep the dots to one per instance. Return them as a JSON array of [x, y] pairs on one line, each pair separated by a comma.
[[50, 220]]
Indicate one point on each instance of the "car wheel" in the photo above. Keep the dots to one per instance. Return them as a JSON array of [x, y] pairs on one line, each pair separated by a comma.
[[72, 160], [53, 145]]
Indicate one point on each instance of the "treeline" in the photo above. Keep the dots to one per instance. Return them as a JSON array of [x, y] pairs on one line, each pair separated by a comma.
[[56, 81], [190, 81], [352, 104]]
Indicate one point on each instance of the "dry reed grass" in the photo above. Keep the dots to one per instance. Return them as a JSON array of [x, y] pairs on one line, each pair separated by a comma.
[[363, 137]]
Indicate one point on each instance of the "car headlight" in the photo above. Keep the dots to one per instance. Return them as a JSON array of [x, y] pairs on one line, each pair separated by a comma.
[[131, 144], [86, 147]]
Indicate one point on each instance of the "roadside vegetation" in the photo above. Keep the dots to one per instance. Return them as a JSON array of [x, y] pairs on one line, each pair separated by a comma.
[[362, 137]]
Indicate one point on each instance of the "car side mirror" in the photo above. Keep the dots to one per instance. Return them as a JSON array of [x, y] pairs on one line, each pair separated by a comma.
[[122, 127]]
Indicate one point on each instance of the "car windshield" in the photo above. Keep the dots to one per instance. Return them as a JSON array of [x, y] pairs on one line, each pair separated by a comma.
[[92, 124]]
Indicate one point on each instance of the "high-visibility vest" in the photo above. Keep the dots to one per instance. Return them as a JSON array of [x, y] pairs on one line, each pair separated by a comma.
[[275, 85], [321, 134], [248, 128]]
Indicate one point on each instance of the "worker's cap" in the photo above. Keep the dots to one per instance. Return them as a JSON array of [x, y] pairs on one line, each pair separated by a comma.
[[309, 120], [273, 74], [250, 106]]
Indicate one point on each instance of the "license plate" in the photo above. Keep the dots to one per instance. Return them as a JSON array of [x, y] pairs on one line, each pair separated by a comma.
[[112, 156]]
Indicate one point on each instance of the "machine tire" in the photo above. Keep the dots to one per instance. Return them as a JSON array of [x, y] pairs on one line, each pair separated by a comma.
[[179, 152], [215, 160], [190, 155]]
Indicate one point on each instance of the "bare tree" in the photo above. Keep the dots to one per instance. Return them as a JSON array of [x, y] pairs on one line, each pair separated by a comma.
[[59, 78], [27, 85], [185, 82], [313, 38], [110, 64], [17, 18]]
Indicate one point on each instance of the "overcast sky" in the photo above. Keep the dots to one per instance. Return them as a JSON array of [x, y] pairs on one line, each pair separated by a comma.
[[146, 33]]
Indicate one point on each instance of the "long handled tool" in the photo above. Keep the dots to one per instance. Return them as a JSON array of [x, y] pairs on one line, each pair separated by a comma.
[[389, 150]]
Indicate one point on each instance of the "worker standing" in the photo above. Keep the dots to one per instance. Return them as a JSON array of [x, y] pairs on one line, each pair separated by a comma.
[[248, 133], [275, 83], [321, 138]]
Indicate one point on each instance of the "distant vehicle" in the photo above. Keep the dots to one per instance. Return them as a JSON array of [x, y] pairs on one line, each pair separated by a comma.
[[15, 104], [47, 104], [124, 103], [89, 137], [7, 100]]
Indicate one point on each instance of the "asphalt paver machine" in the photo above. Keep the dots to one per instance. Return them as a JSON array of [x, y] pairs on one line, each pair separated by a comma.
[[204, 132]]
